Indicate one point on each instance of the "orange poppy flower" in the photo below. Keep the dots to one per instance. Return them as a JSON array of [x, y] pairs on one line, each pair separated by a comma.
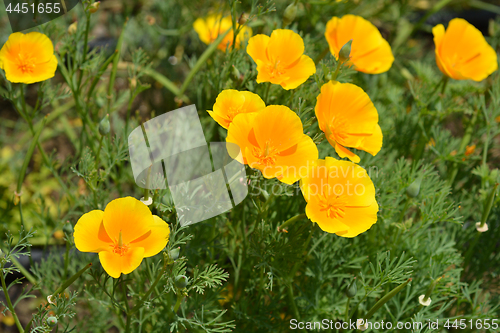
[[273, 141], [123, 234], [209, 28], [280, 58], [348, 118], [340, 197], [370, 52], [231, 102], [462, 53], [28, 58]]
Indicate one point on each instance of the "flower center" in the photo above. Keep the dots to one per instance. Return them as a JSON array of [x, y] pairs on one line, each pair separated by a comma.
[[119, 247], [275, 69], [334, 205], [26, 63], [266, 156], [121, 250], [232, 112], [336, 129]]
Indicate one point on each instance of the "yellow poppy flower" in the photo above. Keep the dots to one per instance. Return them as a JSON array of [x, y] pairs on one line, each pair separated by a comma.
[[123, 234], [273, 141], [462, 53], [28, 58], [231, 102], [280, 58], [348, 118], [340, 197], [209, 28], [370, 52]]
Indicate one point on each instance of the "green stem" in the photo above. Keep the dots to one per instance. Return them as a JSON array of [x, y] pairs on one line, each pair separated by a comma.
[[433, 10], [98, 158], [201, 61], [291, 298], [465, 141], [337, 70], [488, 204], [29, 153], [291, 220], [266, 92], [72, 279], [384, 299], [321, 55], [9, 303], [484, 5], [153, 286], [347, 309], [180, 297], [114, 69]]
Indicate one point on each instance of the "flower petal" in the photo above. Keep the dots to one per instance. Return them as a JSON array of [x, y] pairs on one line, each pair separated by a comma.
[[285, 47], [344, 152], [128, 216], [299, 73], [257, 47], [89, 235], [156, 240], [115, 264], [359, 220]]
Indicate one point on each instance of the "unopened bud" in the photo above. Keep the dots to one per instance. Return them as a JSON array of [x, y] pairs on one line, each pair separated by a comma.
[[52, 321], [181, 281], [94, 7], [352, 290], [345, 51], [150, 19], [174, 254], [68, 228], [414, 188], [236, 73], [104, 125], [73, 27], [289, 14], [243, 18]]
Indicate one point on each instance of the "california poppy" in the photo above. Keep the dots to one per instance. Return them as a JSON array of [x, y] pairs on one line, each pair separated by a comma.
[[123, 234], [232, 102], [370, 52], [209, 28], [273, 141], [348, 118], [340, 197], [28, 58], [280, 58], [462, 53]]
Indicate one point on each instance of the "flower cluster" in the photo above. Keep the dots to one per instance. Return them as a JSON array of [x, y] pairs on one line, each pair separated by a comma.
[[271, 138]]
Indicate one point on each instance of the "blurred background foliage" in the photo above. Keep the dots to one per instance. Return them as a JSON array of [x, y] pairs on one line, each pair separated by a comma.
[[449, 140]]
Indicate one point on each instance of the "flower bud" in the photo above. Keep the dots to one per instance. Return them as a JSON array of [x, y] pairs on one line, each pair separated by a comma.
[[243, 18], [414, 188], [236, 73], [352, 290], [181, 281], [174, 254], [52, 321], [104, 125], [68, 228], [345, 51], [73, 27], [289, 14], [94, 7]]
